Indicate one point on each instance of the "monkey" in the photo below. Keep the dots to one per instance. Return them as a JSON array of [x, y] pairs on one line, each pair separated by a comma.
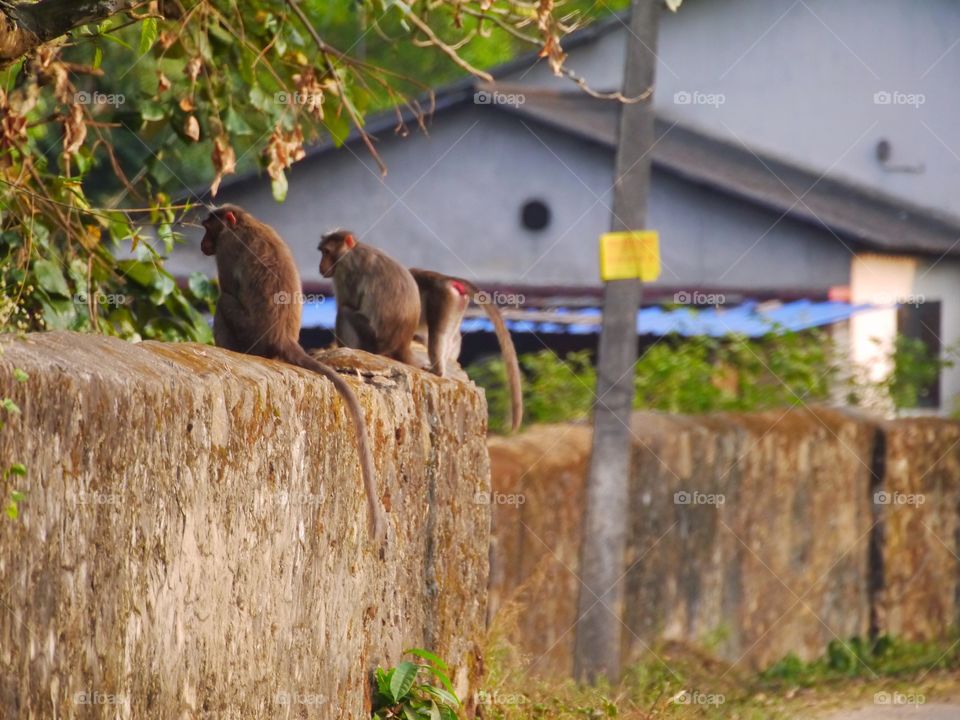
[[378, 303], [443, 301], [258, 313]]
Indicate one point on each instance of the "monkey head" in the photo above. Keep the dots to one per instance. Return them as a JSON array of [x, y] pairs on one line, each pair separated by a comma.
[[333, 246], [219, 219]]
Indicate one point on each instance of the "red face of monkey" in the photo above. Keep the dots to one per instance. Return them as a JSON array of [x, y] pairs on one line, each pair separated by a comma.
[[333, 246], [214, 224]]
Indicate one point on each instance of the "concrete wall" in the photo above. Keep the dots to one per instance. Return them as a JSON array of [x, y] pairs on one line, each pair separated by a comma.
[[754, 535], [193, 539]]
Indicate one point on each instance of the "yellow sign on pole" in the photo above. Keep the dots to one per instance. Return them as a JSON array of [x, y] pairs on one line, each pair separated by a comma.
[[629, 255]]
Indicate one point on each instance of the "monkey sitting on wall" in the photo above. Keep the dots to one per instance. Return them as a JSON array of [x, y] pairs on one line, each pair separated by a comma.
[[444, 301], [378, 304], [259, 311]]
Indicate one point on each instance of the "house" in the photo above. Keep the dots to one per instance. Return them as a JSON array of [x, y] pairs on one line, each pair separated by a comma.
[[806, 150]]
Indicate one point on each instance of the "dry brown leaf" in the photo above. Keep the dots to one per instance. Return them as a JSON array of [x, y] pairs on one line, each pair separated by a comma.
[[193, 68], [163, 83], [191, 128], [74, 130], [186, 104], [224, 162]]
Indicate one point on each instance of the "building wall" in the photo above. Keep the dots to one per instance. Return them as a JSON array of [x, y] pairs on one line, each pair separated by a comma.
[[798, 80], [938, 280], [451, 201]]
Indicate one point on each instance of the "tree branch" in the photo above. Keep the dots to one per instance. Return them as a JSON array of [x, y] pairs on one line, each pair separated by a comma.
[[27, 25]]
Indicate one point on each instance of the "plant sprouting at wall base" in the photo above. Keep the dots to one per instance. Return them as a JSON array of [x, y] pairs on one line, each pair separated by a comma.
[[406, 692]]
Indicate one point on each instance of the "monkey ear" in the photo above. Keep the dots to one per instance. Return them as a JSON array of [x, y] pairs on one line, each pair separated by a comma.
[[230, 218], [350, 241]]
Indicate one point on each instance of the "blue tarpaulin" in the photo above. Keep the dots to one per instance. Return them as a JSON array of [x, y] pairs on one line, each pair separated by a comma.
[[749, 318]]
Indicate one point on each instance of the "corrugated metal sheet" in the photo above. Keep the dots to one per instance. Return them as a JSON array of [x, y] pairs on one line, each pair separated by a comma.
[[750, 318]]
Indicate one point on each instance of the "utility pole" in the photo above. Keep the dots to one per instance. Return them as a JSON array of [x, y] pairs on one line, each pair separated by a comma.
[[598, 634]]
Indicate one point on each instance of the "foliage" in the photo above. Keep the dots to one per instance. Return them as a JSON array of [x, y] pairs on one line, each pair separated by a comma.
[[704, 374], [109, 132], [405, 691], [555, 390], [857, 657], [674, 680], [914, 370]]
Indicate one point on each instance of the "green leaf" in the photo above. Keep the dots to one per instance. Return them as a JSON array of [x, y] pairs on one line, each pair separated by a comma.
[[148, 34], [18, 469], [151, 111], [97, 57], [50, 278], [410, 714], [403, 678], [12, 511], [234, 123], [427, 655], [19, 375], [279, 187], [444, 696], [434, 711], [10, 406]]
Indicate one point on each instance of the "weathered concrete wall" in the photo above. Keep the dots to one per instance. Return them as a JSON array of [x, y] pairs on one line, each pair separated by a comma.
[[193, 542], [755, 535], [919, 510]]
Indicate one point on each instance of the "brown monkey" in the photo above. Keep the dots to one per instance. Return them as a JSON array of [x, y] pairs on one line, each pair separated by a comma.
[[378, 304], [259, 310], [444, 300]]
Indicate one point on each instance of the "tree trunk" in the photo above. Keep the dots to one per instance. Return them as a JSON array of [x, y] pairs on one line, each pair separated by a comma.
[[26, 26]]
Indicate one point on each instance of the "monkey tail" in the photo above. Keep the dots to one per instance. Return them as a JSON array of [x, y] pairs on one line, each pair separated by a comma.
[[509, 353], [377, 523]]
